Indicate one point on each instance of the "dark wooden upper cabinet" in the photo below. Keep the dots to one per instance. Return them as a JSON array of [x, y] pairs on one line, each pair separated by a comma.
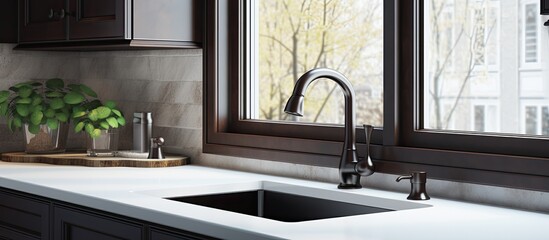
[[96, 19], [109, 24], [8, 21], [544, 5], [41, 20]]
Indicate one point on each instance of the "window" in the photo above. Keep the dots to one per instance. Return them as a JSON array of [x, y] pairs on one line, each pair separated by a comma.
[[461, 144], [288, 38], [530, 38], [485, 118], [535, 119]]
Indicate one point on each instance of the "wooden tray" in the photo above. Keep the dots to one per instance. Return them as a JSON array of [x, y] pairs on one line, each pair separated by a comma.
[[80, 159]]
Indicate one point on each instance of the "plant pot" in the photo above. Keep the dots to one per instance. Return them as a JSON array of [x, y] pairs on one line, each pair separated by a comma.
[[47, 140], [105, 145]]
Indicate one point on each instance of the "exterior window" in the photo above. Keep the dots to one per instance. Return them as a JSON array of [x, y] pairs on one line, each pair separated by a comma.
[[478, 72], [450, 100], [289, 38], [531, 33], [536, 120], [479, 118], [531, 121], [485, 118]]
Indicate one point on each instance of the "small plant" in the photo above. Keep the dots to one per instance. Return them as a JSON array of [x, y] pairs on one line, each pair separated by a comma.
[[34, 103], [95, 116]]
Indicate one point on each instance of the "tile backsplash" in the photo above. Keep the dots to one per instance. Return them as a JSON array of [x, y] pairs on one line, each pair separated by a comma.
[[169, 84]]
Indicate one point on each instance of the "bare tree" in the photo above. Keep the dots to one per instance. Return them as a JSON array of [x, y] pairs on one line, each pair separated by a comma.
[[475, 39], [310, 40]]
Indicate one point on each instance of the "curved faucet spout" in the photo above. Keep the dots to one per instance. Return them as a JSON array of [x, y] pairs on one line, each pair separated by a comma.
[[349, 176]]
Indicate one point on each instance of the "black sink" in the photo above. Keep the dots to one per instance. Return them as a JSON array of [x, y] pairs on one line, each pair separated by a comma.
[[279, 206]]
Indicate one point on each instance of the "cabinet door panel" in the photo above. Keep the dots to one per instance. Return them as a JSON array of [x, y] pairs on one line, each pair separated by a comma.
[[72, 224], [41, 20], [156, 233], [21, 216], [96, 19]]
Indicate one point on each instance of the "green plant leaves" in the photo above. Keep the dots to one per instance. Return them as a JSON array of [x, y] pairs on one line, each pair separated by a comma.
[[52, 123], [92, 105], [49, 113], [104, 125], [34, 129], [22, 110], [121, 121], [93, 115], [10, 124], [55, 83], [118, 113], [112, 122], [95, 133], [4, 109], [87, 90], [89, 128], [74, 98], [17, 122], [24, 92], [24, 101], [36, 100], [4, 95], [57, 103], [110, 104], [103, 112], [78, 114], [78, 127], [54, 94], [52, 103], [36, 117], [62, 117]]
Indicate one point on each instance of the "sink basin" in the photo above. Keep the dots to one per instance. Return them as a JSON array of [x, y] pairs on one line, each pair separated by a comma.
[[284, 202], [279, 206]]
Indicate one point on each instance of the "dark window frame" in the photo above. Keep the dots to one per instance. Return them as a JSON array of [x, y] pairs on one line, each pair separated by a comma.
[[398, 148]]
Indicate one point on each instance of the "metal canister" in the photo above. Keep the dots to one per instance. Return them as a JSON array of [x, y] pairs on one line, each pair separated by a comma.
[[142, 131]]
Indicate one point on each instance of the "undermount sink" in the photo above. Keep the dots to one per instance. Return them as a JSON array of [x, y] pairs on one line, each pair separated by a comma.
[[283, 202]]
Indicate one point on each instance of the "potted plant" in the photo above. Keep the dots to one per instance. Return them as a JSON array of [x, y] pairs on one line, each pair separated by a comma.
[[101, 122], [43, 111]]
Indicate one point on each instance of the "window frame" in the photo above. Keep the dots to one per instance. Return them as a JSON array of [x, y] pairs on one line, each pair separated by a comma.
[[398, 148]]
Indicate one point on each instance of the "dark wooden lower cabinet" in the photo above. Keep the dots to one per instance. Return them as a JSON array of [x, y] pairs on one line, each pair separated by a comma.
[[24, 216], [74, 224], [159, 233]]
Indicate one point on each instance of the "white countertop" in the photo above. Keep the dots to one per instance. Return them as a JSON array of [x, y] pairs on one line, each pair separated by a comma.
[[132, 192]]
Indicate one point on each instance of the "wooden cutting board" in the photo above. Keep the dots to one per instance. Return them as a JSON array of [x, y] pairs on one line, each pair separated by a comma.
[[80, 159]]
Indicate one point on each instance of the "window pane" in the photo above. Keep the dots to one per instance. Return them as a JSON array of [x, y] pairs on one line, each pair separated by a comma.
[[491, 76], [531, 120], [291, 37]]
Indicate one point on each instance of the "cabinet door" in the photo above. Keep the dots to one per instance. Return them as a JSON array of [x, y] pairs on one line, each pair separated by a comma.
[[8, 21], [22, 217], [42, 20], [92, 19], [73, 224], [156, 233]]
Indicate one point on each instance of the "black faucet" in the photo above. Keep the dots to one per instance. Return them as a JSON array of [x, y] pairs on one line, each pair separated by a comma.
[[350, 169]]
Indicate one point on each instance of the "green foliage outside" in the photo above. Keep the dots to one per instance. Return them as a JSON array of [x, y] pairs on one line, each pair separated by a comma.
[[298, 35]]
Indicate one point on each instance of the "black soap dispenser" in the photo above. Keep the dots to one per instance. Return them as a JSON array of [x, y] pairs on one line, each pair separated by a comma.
[[418, 181]]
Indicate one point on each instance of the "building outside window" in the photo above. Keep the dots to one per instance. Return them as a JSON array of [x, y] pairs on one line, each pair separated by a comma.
[[472, 73], [479, 70]]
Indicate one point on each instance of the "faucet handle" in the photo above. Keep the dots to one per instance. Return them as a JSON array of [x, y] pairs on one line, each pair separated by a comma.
[[418, 181], [365, 166]]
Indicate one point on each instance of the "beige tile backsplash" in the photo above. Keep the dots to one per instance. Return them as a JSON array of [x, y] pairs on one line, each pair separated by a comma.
[[169, 84]]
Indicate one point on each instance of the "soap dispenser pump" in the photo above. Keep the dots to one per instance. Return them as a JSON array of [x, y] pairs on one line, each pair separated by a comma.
[[418, 181]]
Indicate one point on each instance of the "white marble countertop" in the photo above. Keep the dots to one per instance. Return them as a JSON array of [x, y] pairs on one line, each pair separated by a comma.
[[133, 192]]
